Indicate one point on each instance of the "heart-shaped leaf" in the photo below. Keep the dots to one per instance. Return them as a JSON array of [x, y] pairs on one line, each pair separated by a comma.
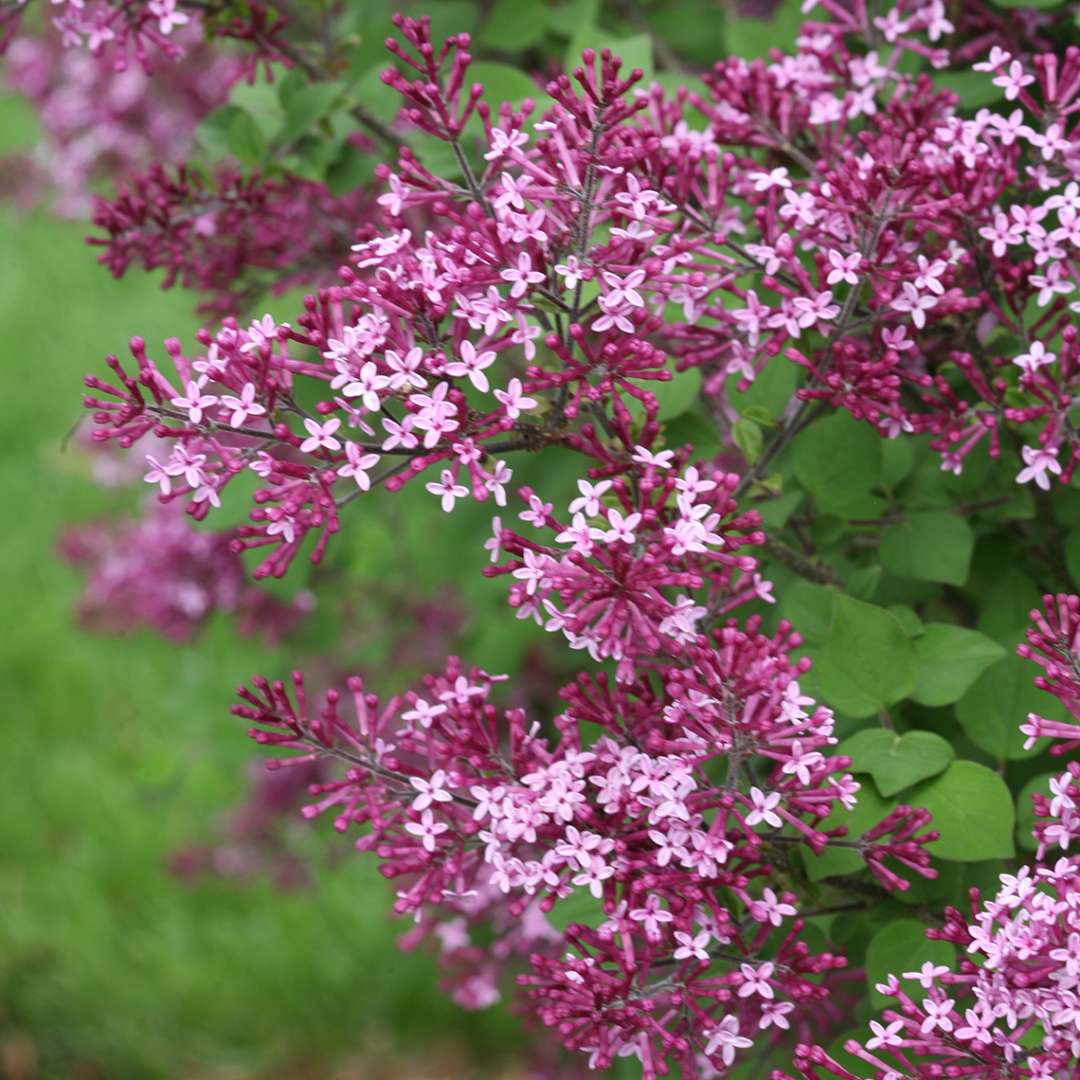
[[897, 761], [866, 661], [837, 460], [973, 810], [951, 658], [930, 545], [991, 711]]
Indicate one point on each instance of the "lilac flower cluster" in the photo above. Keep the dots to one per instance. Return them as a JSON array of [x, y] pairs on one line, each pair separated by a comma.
[[98, 123], [1009, 1010], [120, 31], [616, 562], [160, 572], [1054, 644], [536, 306], [679, 818], [699, 783], [228, 236]]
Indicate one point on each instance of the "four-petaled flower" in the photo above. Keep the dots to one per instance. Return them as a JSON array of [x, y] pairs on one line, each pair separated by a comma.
[[726, 1040], [427, 828], [522, 275], [472, 365], [764, 808], [448, 489], [1038, 463], [914, 302], [320, 436], [195, 401], [358, 465], [691, 945], [243, 406], [513, 399]]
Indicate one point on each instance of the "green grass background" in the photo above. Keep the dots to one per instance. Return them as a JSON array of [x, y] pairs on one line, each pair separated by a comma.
[[118, 751]]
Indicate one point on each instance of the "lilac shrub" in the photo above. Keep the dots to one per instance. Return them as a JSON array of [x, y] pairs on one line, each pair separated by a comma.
[[764, 377]]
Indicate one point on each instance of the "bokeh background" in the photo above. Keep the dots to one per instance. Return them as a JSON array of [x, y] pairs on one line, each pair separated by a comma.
[[155, 919]]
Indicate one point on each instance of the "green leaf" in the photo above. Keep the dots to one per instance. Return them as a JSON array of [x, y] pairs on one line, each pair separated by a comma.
[[770, 392], [292, 83], [973, 811], [759, 415], [673, 397], [974, 88], [1004, 606], [753, 38], [310, 159], [908, 619], [447, 17], [932, 545], [897, 761], [809, 608], [352, 169], [696, 428], [897, 460], [866, 661], [692, 29], [992, 711], [1072, 554], [246, 142], [837, 460], [502, 82], [307, 106], [213, 131], [748, 438], [863, 582], [436, 154], [951, 658], [372, 94], [565, 19], [260, 101], [514, 25], [902, 946], [775, 511]]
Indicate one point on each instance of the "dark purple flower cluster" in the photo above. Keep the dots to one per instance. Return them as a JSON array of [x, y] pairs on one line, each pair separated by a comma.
[[231, 237]]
